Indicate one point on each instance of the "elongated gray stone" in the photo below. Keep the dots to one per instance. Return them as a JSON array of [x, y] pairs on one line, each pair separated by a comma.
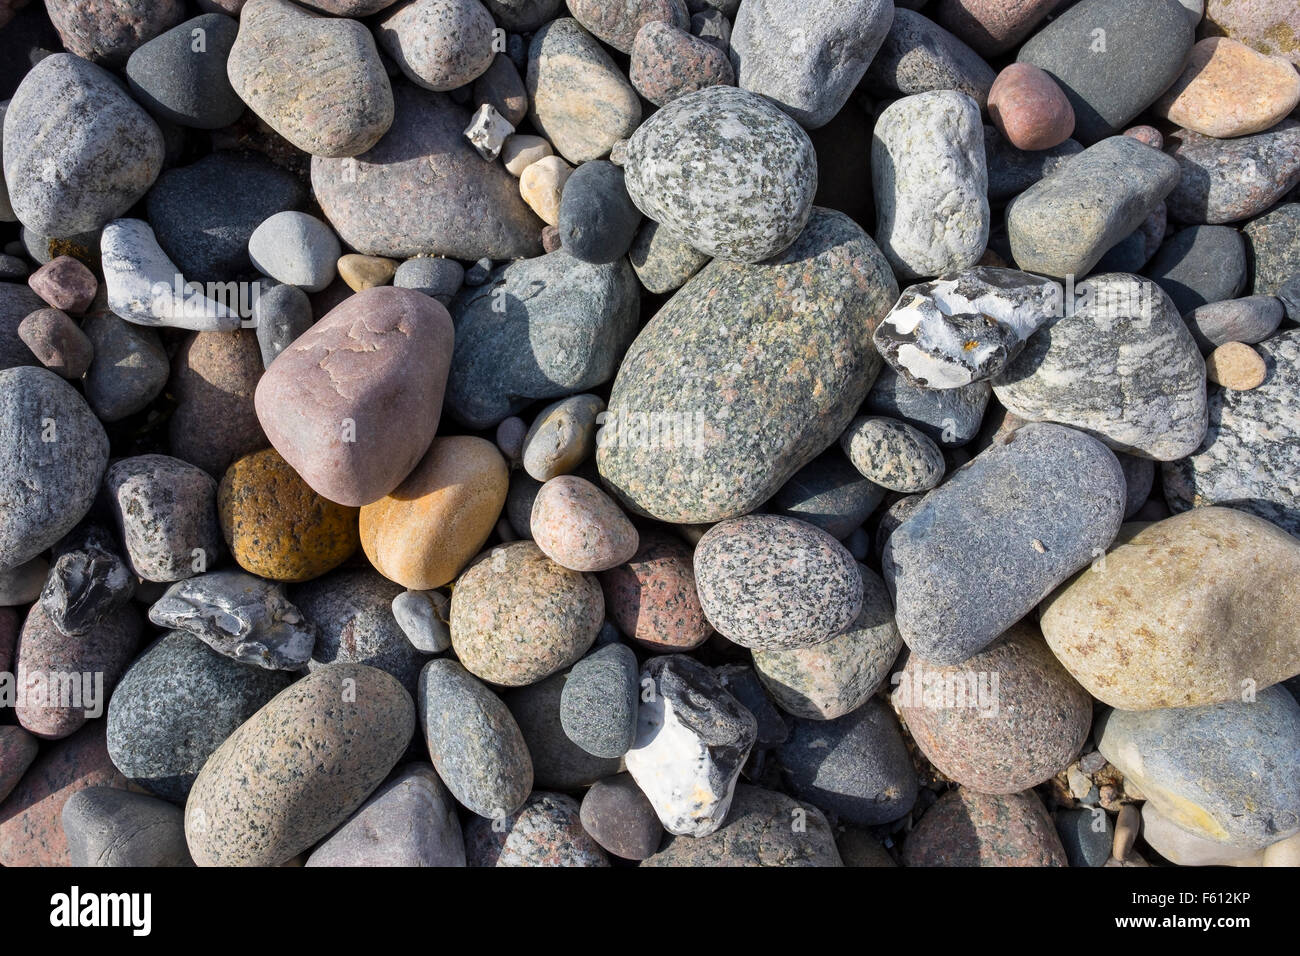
[[239, 615], [726, 171], [965, 327], [806, 56], [1065, 223], [692, 739], [724, 395], [541, 328], [1251, 453], [979, 552], [1122, 367], [110, 827], [931, 184]]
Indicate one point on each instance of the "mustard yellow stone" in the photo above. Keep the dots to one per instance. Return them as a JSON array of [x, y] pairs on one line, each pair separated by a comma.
[[276, 526], [435, 521]]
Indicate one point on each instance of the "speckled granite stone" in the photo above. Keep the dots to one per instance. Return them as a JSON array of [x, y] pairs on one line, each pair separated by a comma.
[[331, 401], [1066, 222], [893, 454], [1107, 84], [46, 486], [726, 171], [855, 767], [410, 821], [517, 616], [668, 63], [18, 749], [1123, 368], [423, 190], [353, 612], [652, 597], [618, 22], [770, 582], [166, 511], [918, 56], [578, 527], [1224, 771], [473, 741], [578, 97], [439, 44], [317, 81], [31, 817], [979, 552], [1224, 180], [692, 739], [45, 651], [687, 438], [599, 702], [298, 768], [931, 184], [545, 831], [806, 56], [1004, 720], [828, 680], [950, 416], [758, 832], [1273, 241], [175, 705], [964, 327], [966, 828], [662, 261], [558, 763], [1182, 613], [276, 526], [565, 326], [107, 31], [1251, 452]]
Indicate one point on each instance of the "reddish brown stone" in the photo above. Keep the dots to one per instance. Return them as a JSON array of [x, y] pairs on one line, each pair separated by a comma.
[[992, 26], [618, 22], [31, 818], [1029, 109], [668, 63], [65, 284], [109, 31], [652, 597], [965, 828], [1146, 134], [17, 751], [214, 376], [57, 342], [353, 404]]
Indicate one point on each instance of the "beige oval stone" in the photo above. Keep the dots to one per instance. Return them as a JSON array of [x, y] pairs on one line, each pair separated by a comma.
[[1181, 612], [424, 532], [562, 437], [579, 527], [541, 185], [1237, 366], [521, 150], [299, 767], [1228, 89], [366, 272]]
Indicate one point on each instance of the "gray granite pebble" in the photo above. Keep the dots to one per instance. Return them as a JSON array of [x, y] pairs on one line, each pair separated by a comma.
[[598, 705], [166, 511]]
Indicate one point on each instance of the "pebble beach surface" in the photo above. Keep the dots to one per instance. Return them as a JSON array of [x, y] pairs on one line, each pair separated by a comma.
[[654, 432]]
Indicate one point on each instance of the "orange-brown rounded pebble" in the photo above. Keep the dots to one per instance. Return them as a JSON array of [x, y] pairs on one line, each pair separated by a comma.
[[1236, 366], [276, 526], [426, 531]]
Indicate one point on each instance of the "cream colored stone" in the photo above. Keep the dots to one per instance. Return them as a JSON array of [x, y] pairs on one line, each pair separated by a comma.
[[541, 185], [521, 150], [1236, 366]]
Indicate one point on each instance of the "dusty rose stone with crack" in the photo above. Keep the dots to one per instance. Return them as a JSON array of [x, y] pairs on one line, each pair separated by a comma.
[[353, 404]]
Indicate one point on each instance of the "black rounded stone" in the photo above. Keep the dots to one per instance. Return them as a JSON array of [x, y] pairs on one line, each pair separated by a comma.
[[597, 218]]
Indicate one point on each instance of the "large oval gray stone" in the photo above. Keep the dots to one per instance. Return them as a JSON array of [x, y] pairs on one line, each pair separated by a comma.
[[687, 437]]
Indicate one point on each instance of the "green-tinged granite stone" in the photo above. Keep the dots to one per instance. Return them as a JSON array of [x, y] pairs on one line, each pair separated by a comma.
[[746, 375], [299, 767]]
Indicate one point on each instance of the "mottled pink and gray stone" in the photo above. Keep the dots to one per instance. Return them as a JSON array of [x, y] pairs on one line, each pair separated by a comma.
[[767, 581], [109, 31], [166, 511], [17, 751], [65, 283], [966, 828], [579, 527], [726, 171], [1224, 180], [424, 191], [58, 342], [652, 597], [317, 81], [991, 27], [353, 404], [617, 22], [668, 63], [545, 831]]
